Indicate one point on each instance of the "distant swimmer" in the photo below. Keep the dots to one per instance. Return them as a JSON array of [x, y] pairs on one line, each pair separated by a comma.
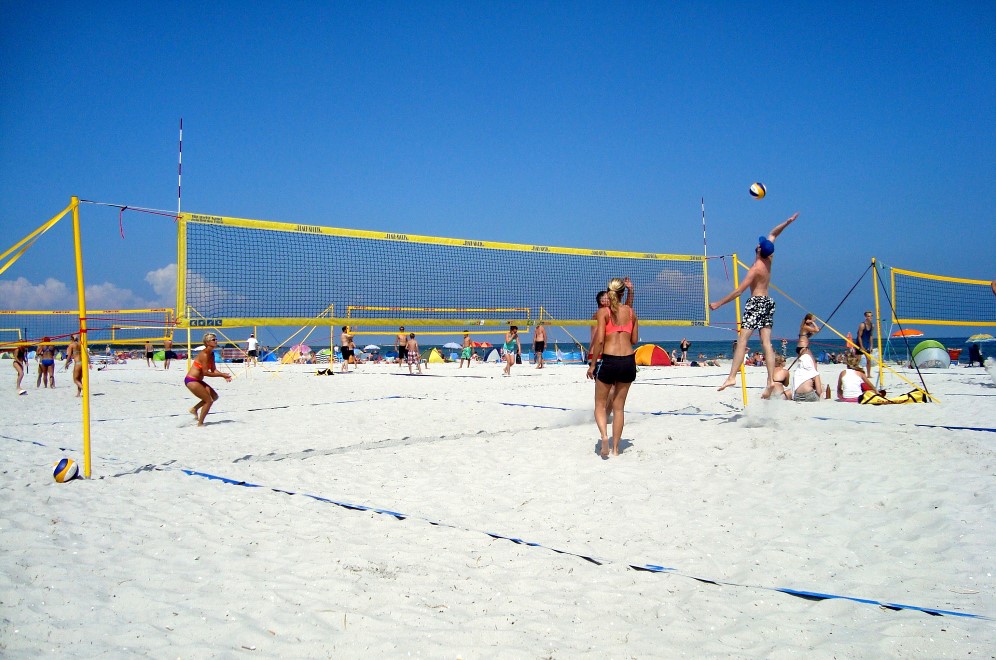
[[759, 312], [203, 367]]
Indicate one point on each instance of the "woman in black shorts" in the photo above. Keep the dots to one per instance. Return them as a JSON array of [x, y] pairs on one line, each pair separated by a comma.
[[616, 330]]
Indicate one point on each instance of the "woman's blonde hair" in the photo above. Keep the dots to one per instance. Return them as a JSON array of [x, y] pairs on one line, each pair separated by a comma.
[[208, 336], [853, 361], [616, 286]]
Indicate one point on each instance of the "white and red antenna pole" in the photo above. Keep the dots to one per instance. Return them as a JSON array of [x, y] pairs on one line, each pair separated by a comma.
[[179, 170]]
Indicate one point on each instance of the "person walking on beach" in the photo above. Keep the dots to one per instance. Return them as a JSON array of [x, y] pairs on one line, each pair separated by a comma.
[[412, 354], [759, 312], [20, 366], [345, 348], [401, 343], [685, 345], [252, 349], [467, 350], [82, 361], [807, 329], [46, 364], [148, 354], [539, 344], [616, 330], [168, 354], [72, 351], [864, 340], [511, 348], [602, 301], [203, 367]]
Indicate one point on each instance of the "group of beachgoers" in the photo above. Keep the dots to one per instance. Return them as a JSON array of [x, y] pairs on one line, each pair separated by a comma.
[[45, 356], [168, 354], [612, 357]]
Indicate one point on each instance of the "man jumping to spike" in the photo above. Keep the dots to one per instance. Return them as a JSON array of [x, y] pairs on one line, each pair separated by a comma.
[[759, 312]]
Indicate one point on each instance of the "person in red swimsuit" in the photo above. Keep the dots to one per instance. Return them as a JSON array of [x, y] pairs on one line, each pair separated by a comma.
[[616, 330], [204, 366]]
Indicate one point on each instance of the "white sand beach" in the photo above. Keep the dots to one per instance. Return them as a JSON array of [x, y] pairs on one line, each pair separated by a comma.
[[877, 503]]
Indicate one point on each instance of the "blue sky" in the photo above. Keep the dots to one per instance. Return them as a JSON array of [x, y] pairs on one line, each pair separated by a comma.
[[597, 125]]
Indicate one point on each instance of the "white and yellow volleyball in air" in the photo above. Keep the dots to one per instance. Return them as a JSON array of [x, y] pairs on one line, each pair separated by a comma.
[[65, 470], [757, 190]]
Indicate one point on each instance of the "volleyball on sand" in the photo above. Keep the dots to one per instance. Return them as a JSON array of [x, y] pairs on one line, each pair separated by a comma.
[[65, 470], [757, 190]]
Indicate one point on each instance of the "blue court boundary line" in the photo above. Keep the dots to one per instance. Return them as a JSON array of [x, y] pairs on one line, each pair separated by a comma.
[[652, 568], [708, 414]]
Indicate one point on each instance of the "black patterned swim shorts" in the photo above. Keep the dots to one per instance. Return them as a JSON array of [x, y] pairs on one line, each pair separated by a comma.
[[759, 312]]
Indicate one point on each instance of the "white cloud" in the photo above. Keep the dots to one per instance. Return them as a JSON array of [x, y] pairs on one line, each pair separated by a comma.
[[163, 282], [22, 294], [53, 294], [110, 296]]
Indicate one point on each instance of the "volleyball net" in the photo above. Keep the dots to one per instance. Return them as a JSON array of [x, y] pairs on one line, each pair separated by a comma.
[[119, 327], [240, 272], [927, 299], [501, 316]]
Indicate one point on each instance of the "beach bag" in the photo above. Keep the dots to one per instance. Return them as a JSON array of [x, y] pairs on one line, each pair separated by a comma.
[[876, 399]]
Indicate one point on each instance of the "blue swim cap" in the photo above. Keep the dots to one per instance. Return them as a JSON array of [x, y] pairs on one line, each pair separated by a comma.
[[767, 247]]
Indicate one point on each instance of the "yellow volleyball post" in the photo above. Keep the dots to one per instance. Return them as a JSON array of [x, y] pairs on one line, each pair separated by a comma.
[[743, 371], [878, 321], [84, 350]]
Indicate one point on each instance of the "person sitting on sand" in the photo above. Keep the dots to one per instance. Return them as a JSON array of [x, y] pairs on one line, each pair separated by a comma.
[[851, 379], [974, 355], [807, 385], [780, 390], [204, 366]]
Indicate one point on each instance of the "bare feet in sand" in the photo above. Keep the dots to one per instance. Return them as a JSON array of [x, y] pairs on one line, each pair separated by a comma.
[[727, 383]]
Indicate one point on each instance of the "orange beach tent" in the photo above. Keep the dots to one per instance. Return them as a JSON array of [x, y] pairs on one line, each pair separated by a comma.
[[652, 355]]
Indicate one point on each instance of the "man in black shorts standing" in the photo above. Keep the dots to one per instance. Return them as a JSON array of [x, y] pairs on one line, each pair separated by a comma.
[[539, 344], [401, 343], [345, 348], [759, 312]]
